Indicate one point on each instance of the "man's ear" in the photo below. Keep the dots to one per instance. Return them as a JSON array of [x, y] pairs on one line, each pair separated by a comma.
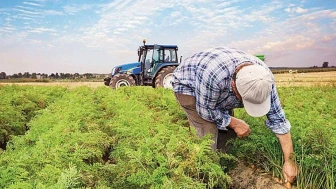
[[235, 90], [233, 85]]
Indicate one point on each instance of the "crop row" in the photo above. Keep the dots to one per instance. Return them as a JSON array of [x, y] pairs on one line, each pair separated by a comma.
[[100, 138], [19, 104]]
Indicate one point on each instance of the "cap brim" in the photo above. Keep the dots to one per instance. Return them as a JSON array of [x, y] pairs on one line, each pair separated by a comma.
[[258, 110]]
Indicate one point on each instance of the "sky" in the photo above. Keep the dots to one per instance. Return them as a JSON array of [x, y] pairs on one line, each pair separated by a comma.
[[82, 36]]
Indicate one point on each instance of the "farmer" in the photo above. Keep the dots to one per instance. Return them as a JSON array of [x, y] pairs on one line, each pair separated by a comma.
[[209, 84]]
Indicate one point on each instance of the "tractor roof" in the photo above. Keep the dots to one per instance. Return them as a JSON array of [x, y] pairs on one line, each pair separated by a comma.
[[164, 46]]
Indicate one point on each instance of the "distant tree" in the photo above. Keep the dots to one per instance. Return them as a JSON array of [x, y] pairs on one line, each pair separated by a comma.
[[44, 75], [62, 75], [33, 75], [57, 76], [2, 75], [88, 75], [19, 75], [52, 75], [26, 75], [325, 64], [15, 76], [76, 75], [68, 76]]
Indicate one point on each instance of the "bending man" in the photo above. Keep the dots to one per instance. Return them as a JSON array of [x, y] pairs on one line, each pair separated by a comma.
[[211, 83]]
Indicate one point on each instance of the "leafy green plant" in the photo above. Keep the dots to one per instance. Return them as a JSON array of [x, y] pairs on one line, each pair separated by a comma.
[[19, 104]]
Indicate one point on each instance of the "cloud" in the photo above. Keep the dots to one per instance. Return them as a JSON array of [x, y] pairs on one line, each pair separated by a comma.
[[34, 41], [28, 12], [39, 1], [298, 10], [263, 14], [119, 19], [32, 4], [290, 43], [333, 14], [296, 34], [205, 23], [7, 29], [288, 10], [73, 9], [41, 30], [52, 12], [27, 18]]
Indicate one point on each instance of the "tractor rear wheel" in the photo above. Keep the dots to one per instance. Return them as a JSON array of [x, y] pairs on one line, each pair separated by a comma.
[[121, 80], [165, 77]]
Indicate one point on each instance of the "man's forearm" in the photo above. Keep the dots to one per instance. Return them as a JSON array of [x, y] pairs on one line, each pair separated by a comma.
[[289, 168], [286, 145]]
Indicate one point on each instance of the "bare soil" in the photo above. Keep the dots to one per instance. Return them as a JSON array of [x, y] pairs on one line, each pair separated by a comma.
[[244, 177]]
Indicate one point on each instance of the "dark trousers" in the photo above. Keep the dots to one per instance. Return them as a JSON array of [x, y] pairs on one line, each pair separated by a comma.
[[202, 126]]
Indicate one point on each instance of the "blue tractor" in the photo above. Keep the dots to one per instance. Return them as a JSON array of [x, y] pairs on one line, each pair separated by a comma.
[[155, 66]]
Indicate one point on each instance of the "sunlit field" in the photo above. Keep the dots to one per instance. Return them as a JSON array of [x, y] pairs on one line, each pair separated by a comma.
[[86, 135], [306, 79], [282, 80]]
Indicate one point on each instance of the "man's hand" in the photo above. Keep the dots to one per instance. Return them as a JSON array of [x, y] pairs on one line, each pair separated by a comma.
[[240, 127], [289, 168], [289, 171]]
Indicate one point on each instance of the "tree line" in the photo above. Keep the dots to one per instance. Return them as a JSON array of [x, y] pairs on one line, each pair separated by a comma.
[[3, 75]]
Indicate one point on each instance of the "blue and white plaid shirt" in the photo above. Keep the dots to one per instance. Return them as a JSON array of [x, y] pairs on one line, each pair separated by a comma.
[[207, 75]]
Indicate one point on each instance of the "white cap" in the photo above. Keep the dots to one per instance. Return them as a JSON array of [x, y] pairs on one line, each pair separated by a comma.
[[254, 84]]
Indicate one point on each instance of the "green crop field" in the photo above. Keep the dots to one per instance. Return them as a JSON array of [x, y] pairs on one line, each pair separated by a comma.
[[138, 137]]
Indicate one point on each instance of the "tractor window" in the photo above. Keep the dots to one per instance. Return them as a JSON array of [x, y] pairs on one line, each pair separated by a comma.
[[170, 55], [158, 55], [148, 60]]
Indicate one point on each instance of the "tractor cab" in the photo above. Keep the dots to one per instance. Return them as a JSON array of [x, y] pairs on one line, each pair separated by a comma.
[[155, 57]]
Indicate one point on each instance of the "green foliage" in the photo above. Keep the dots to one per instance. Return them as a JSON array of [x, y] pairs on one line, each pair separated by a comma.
[[19, 104], [137, 138], [103, 138], [312, 114], [154, 151]]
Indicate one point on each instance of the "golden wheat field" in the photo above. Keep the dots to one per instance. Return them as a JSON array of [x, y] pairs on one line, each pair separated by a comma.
[[306, 79]]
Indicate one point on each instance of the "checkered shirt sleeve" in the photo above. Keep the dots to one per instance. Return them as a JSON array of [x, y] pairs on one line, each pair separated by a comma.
[[276, 119]]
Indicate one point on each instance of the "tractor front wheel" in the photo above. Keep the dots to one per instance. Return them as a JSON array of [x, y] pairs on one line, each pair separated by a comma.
[[121, 80], [164, 77], [107, 81]]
